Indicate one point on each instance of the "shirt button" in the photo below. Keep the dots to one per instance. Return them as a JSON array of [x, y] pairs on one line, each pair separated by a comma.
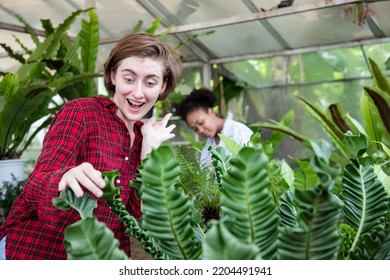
[[118, 181], [126, 158]]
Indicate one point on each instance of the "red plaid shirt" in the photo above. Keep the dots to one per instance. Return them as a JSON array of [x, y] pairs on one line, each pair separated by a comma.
[[84, 130]]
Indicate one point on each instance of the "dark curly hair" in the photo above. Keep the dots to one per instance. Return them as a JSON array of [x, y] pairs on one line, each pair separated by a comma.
[[202, 98]]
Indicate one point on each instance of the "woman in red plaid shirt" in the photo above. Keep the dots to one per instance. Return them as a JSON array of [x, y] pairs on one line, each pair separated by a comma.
[[89, 136]]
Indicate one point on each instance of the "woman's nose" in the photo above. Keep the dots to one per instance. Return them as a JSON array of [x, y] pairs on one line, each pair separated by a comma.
[[200, 130], [137, 90]]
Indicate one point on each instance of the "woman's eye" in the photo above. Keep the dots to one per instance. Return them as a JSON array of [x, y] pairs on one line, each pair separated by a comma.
[[128, 80], [150, 84]]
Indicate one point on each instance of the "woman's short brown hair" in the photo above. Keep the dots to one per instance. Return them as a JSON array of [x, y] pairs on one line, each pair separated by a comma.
[[143, 45]]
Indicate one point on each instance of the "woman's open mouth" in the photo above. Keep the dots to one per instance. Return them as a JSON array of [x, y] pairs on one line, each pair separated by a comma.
[[135, 105]]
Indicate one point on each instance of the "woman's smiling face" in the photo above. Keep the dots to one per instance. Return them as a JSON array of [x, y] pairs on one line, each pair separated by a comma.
[[138, 83], [204, 123]]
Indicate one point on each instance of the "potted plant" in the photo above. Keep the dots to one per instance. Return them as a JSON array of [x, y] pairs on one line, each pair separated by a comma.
[[342, 214], [58, 69], [9, 191]]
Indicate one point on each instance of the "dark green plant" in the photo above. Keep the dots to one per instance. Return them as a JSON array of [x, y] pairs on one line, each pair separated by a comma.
[[332, 205], [375, 108], [56, 70], [9, 191], [308, 222], [199, 184]]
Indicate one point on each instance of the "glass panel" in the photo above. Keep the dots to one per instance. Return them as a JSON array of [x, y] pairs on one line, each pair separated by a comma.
[[274, 103]]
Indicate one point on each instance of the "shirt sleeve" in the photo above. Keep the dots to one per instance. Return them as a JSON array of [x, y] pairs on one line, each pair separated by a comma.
[[242, 136], [60, 148], [239, 132]]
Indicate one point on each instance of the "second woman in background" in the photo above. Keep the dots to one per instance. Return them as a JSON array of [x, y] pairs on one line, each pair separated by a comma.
[[197, 111]]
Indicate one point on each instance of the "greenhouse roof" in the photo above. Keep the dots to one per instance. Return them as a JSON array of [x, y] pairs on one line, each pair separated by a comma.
[[220, 30]]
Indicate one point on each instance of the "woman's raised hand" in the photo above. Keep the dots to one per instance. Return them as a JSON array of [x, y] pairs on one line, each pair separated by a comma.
[[155, 133]]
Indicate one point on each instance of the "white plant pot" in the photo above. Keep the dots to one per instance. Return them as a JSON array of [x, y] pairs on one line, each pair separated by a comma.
[[12, 166]]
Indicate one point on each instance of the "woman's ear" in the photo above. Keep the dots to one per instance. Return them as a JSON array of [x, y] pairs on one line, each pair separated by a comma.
[[163, 87], [112, 76], [211, 112]]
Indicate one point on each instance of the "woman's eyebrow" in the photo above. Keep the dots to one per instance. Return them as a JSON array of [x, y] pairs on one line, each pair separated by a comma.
[[135, 74]]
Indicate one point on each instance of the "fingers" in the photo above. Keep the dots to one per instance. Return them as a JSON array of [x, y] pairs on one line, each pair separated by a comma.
[[165, 120], [171, 128], [83, 175], [151, 121], [168, 136]]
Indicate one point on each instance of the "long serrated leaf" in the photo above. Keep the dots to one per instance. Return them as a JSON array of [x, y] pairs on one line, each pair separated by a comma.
[[382, 103], [334, 132], [365, 199], [230, 144], [220, 244], [247, 200], [89, 36], [316, 237], [12, 54], [282, 128], [19, 108], [50, 46], [308, 179], [84, 205], [287, 212], [166, 210], [8, 86], [63, 82], [154, 26], [337, 117], [90, 239], [29, 29], [380, 79], [111, 194], [374, 244]]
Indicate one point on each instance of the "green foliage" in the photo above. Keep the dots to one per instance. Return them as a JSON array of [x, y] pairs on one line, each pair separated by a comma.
[[9, 191], [316, 236], [68, 200], [87, 239], [134, 228], [167, 211], [375, 109], [200, 185], [80, 244], [304, 223], [246, 190], [332, 205], [221, 244], [56, 70]]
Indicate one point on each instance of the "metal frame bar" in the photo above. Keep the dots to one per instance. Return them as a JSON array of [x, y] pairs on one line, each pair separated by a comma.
[[274, 33], [157, 6], [351, 44], [234, 20], [261, 15]]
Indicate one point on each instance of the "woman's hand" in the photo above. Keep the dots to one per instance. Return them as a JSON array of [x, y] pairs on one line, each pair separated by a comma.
[[83, 175], [155, 133]]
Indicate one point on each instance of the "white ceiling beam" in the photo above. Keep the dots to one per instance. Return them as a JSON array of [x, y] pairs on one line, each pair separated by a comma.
[[246, 18], [260, 15], [357, 43], [20, 28]]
